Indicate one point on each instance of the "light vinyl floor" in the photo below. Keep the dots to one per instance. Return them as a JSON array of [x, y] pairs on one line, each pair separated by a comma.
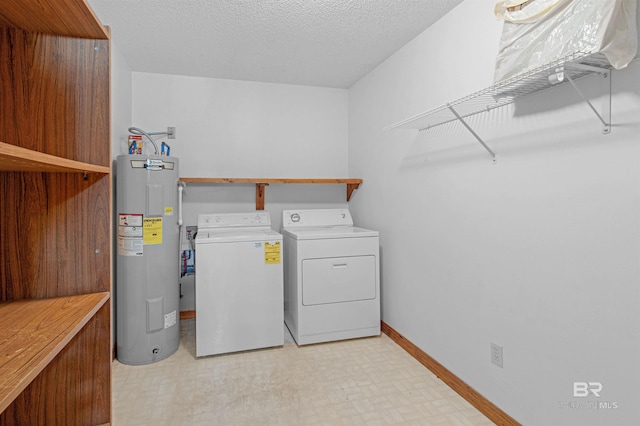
[[369, 381]]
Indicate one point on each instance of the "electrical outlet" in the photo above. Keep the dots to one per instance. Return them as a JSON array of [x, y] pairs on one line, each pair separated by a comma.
[[496, 354]]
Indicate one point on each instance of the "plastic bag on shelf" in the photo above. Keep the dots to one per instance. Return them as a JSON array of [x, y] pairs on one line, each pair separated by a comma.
[[523, 11], [538, 32]]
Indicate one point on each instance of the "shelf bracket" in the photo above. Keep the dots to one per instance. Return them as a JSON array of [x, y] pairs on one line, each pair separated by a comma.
[[260, 195], [350, 188], [475, 135], [605, 75]]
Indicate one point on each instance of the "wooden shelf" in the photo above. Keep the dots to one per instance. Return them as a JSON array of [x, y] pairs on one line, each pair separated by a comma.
[[34, 331], [16, 159], [70, 18], [352, 184]]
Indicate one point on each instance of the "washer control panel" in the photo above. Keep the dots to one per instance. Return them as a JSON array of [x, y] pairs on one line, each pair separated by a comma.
[[233, 220]]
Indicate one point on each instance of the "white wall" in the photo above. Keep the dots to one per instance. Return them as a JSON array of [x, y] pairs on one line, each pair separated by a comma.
[[227, 128], [539, 253], [121, 101]]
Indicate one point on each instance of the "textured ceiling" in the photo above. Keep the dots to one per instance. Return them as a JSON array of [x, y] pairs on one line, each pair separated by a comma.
[[329, 43]]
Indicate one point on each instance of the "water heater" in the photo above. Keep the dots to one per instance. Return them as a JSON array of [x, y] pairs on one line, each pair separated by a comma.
[[147, 286]]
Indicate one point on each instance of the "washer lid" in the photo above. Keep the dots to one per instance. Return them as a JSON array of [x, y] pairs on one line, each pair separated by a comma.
[[325, 232], [226, 235]]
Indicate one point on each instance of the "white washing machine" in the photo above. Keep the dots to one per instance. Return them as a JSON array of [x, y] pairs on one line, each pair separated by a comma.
[[331, 276], [238, 283]]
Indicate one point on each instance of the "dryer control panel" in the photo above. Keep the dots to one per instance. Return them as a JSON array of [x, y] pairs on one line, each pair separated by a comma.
[[316, 217]]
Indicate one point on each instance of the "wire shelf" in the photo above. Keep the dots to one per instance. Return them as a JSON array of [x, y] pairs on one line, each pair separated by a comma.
[[576, 65]]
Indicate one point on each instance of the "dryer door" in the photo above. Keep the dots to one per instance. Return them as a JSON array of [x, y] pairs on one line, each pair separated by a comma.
[[338, 279]]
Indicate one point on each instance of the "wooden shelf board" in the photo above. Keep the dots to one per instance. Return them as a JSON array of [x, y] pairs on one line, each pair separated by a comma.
[[269, 180], [34, 331], [17, 159], [70, 18], [352, 184]]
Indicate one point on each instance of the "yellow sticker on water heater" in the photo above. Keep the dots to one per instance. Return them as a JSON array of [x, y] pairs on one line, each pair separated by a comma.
[[152, 230], [272, 253]]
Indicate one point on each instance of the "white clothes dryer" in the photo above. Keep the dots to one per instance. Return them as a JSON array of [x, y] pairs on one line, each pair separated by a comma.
[[238, 283], [331, 276]]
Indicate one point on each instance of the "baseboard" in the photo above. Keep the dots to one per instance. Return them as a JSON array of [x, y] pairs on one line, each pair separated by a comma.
[[472, 396], [185, 315]]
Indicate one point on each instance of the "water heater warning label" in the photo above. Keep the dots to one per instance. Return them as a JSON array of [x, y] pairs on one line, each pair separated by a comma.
[[272, 253], [152, 230], [130, 234], [125, 219]]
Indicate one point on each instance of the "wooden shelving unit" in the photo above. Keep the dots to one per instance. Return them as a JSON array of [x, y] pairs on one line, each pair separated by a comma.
[[36, 331], [261, 183], [16, 159], [55, 225], [72, 18]]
